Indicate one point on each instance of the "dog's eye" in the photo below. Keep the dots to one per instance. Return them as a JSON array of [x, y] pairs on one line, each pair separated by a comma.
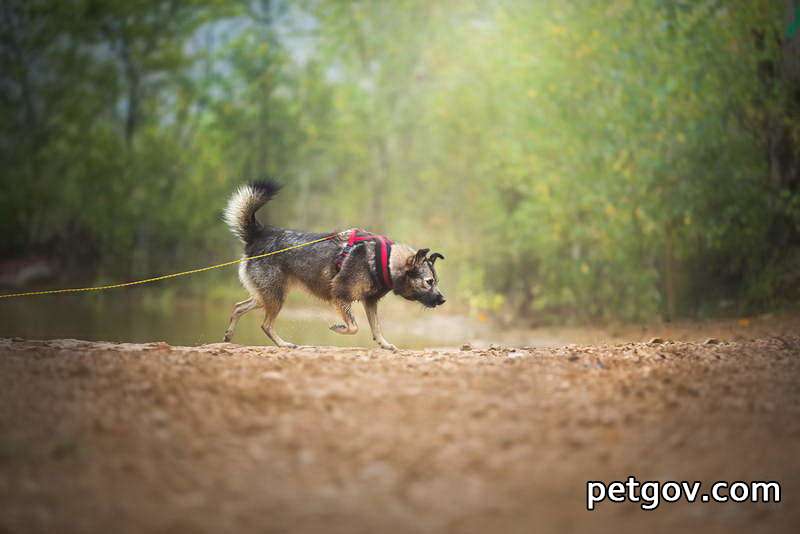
[[429, 282]]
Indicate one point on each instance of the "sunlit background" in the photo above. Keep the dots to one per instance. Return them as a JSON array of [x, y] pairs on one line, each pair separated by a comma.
[[576, 162]]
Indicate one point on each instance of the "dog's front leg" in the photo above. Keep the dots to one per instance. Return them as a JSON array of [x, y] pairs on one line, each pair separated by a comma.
[[371, 307]]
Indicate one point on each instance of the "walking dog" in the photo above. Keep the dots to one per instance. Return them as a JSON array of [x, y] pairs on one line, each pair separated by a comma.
[[351, 266]]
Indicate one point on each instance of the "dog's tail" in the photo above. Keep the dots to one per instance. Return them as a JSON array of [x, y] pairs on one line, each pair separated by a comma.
[[240, 213]]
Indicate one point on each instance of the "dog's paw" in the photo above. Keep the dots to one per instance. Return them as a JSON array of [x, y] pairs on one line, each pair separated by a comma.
[[343, 329], [227, 338], [287, 345], [389, 346]]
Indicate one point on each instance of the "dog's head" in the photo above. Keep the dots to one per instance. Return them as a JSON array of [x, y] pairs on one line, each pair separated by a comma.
[[418, 280]]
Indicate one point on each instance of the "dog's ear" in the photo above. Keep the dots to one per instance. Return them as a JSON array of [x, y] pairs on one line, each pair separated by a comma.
[[417, 259], [434, 257]]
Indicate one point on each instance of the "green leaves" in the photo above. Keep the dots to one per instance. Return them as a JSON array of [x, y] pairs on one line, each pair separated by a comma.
[[593, 160]]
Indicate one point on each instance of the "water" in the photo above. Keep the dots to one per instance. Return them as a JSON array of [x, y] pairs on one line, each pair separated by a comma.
[[128, 317]]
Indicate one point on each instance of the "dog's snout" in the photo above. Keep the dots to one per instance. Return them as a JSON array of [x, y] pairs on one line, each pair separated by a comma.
[[440, 299]]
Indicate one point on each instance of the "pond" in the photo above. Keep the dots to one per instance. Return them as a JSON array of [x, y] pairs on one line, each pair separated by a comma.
[[129, 316]]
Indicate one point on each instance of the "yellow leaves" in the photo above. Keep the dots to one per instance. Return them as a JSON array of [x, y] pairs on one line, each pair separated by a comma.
[[615, 9], [610, 210], [312, 132], [482, 302], [532, 94], [557, 30], [501, 15], [339, 101], [530, 58], [583, 51], [619, 163], [557, 231], [623, 164], [648, 226], [585, 268], [542, 190], [655, 103]]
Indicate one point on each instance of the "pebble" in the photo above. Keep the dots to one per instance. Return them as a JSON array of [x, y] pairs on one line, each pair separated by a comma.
[[272, 375]]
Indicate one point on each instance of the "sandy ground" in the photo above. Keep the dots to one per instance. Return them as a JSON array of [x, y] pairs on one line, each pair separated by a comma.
[[102, 437]]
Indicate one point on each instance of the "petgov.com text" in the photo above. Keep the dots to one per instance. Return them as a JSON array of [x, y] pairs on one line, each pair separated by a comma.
[[652, 493]]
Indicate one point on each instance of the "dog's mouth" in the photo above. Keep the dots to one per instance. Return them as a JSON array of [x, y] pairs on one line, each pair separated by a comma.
[[432, 301], [426, 299]]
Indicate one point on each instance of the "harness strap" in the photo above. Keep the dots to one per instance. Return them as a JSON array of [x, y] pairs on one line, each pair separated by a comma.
[[358, 236]]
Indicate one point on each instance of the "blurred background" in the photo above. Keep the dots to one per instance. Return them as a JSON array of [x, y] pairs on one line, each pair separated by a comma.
[[576, 162]]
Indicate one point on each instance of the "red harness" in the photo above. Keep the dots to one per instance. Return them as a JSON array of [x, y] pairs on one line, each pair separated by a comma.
[[384, 252]]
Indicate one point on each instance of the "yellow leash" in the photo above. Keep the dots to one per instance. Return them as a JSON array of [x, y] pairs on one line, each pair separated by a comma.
[[165, 276]]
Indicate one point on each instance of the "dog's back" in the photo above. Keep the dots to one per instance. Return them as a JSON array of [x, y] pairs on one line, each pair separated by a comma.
[[269, 278]]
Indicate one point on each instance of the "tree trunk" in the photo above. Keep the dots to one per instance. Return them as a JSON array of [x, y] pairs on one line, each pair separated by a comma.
[[783, 155], [669, 272], [133, 79]]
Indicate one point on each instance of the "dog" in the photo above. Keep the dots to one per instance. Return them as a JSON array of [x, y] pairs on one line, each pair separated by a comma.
[[342, 268]]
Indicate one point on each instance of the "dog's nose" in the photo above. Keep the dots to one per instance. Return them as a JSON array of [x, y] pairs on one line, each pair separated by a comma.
[[442, 300]]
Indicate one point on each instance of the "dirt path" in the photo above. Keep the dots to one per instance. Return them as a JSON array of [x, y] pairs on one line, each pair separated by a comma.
[[101, 437]]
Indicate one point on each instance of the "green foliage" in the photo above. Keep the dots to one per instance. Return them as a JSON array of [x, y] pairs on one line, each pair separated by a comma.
[[591, 160]]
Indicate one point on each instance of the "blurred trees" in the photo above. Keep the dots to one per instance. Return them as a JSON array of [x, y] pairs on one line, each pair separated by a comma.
[[597, 160]]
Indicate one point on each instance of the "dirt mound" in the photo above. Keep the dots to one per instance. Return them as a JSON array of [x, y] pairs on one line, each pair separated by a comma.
[[103, 437]]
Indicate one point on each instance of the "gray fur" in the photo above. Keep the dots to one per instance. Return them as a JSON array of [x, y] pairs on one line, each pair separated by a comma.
[[312, 267]]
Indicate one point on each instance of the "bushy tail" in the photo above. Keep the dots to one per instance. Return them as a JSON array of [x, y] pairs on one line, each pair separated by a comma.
[[240, 213]]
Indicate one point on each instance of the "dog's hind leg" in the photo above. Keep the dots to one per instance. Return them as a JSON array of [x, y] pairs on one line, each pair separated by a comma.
[[371, 307], [238, 310], [273, 301], [349, 327]]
